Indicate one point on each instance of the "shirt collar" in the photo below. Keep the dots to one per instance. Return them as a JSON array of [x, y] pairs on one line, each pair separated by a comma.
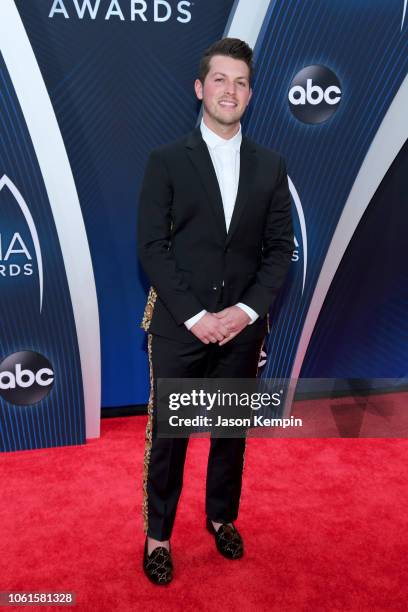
[[213, 140]]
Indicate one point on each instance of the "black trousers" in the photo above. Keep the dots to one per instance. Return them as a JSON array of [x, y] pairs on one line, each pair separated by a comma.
[[164, 457]]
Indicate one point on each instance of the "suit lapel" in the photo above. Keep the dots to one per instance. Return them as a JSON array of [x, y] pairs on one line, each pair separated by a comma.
[[246, 178], [200, 156], [201, 159]]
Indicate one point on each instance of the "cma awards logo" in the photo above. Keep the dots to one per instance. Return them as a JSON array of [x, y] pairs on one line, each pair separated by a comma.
[[299, 245], [26, 377], [303, 232], [130, 10], [16, 260], [314, 94]]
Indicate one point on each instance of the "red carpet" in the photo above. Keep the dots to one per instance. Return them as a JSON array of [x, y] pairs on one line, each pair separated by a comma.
[[324, 524]]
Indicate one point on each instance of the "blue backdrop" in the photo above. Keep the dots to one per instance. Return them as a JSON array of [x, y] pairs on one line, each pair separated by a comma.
[[121, 84]]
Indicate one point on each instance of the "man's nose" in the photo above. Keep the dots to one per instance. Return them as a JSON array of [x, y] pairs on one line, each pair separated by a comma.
[[230, 88]]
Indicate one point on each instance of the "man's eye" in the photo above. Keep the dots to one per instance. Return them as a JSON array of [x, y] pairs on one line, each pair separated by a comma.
[[219, 79]]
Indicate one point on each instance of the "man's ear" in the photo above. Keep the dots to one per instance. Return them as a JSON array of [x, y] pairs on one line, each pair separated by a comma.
[[198, 88], [250, 95]]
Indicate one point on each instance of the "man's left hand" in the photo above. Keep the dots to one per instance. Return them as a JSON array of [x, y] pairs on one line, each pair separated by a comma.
[[234, 319]]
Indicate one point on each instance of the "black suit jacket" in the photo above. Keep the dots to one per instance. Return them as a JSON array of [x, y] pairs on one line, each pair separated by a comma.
[[185, 249]]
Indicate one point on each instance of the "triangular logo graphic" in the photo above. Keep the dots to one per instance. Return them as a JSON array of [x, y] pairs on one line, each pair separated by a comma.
[[5, 181]]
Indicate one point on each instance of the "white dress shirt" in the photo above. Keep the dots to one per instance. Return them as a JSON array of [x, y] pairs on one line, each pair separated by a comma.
[[225, 156]]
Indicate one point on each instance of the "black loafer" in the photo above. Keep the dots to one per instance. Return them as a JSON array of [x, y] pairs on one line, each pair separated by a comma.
[[227, 540], [158, 566]]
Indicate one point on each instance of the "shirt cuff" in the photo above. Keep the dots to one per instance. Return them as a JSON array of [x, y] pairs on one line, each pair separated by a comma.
[[249, 311], [193, 320]]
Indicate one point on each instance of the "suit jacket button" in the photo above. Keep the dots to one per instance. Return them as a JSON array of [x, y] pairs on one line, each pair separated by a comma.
[[215, 287]]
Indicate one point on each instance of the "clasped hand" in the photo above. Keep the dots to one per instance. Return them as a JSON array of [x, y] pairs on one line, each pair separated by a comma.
[[220, 326]]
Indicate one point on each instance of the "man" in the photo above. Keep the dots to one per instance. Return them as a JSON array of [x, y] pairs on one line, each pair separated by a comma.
[[215, 239]]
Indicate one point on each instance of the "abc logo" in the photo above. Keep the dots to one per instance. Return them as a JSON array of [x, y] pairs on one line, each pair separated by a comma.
[[25, 378], [314, 94]]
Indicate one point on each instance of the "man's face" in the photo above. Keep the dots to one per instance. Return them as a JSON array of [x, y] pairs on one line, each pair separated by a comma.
[[226, 91]]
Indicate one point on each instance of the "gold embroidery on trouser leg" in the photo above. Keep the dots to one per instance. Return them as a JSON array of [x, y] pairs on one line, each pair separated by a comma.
[[145, 324], [259, 356], [148, 437], [149, 308]]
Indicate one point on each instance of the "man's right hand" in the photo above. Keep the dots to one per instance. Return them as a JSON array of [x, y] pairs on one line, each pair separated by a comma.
[[210, 329]]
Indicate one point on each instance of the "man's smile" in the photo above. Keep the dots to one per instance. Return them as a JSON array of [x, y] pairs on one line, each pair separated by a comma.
[[228, 104]]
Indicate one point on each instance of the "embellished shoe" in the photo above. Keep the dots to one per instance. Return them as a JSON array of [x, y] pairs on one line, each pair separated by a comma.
[[227, 540], [158, 566]]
